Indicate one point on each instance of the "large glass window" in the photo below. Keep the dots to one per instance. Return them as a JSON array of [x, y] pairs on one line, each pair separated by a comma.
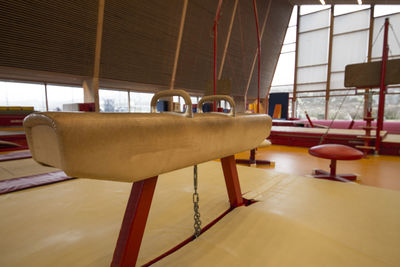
[[345, 9], [57, 96], [392, 107], [113, 101], [354, 21], [195, 99], [393, 37], [140, 102], [284, 74], [346, 107], [349, 46], [307, 9], [313, 47], [312, 65], [314, 106], [350, 41], [383, 10], [23, 94]]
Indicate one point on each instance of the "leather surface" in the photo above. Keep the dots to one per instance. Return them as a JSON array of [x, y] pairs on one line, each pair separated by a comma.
[[133, 146]]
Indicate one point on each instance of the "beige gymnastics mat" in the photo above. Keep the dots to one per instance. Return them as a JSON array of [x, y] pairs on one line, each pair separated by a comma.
[[22, 167], [303, 222], [76, 223], [298, 221]]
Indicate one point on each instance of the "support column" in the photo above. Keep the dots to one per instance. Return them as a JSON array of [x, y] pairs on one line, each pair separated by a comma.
[[129, 101], [382, 90], [91, 92], [328, 74], [47, 99], [370, 41], [294, 98], [228, 38], [178, 45]]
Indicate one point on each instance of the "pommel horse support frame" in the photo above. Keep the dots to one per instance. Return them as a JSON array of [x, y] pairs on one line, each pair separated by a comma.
[[137, 147]]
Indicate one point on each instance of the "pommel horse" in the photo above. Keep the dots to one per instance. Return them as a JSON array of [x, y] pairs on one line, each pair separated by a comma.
[[137, 147]]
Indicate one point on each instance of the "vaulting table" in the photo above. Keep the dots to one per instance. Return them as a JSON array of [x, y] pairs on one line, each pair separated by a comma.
[[335, 152]]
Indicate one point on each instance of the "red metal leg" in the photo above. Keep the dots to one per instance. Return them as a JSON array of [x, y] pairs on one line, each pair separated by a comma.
[[321, 174], [232, 181], [333, 167], [349, 176], [243, 161], [309, 120], [253, 155], [252, 160], [382, 90], [134, 223]]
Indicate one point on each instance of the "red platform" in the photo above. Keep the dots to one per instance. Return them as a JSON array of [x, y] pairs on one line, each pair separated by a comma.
[[335, 152]]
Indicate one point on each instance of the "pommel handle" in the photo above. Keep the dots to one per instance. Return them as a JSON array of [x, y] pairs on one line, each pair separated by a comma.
[[211, 98], [188, 113]]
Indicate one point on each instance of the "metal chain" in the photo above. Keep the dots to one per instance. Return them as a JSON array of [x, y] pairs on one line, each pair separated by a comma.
[[196, 199]]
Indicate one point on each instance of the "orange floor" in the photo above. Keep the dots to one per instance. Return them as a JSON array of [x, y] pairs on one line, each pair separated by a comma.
[[379, 171]]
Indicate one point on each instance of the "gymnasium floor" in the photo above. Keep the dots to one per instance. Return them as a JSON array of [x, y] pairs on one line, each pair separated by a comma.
[[376, 170], [78, 221]]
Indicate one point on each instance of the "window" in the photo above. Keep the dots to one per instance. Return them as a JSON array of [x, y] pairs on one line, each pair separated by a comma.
[[140, 102], [23, 94], [59, 95], [284, 74], [345, 9], [346, 107], [113, 101], [349, 46], [307, 9], [393, 38], [314, 106], [350, 38], [194, 99], [392, 107], [383, 10], [312, 64]]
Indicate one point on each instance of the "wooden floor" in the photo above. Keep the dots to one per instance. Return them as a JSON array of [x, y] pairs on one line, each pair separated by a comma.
[[379, 171]]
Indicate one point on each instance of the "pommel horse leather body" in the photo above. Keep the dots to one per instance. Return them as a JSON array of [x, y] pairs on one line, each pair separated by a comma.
[[134, 146], [137, 147]]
